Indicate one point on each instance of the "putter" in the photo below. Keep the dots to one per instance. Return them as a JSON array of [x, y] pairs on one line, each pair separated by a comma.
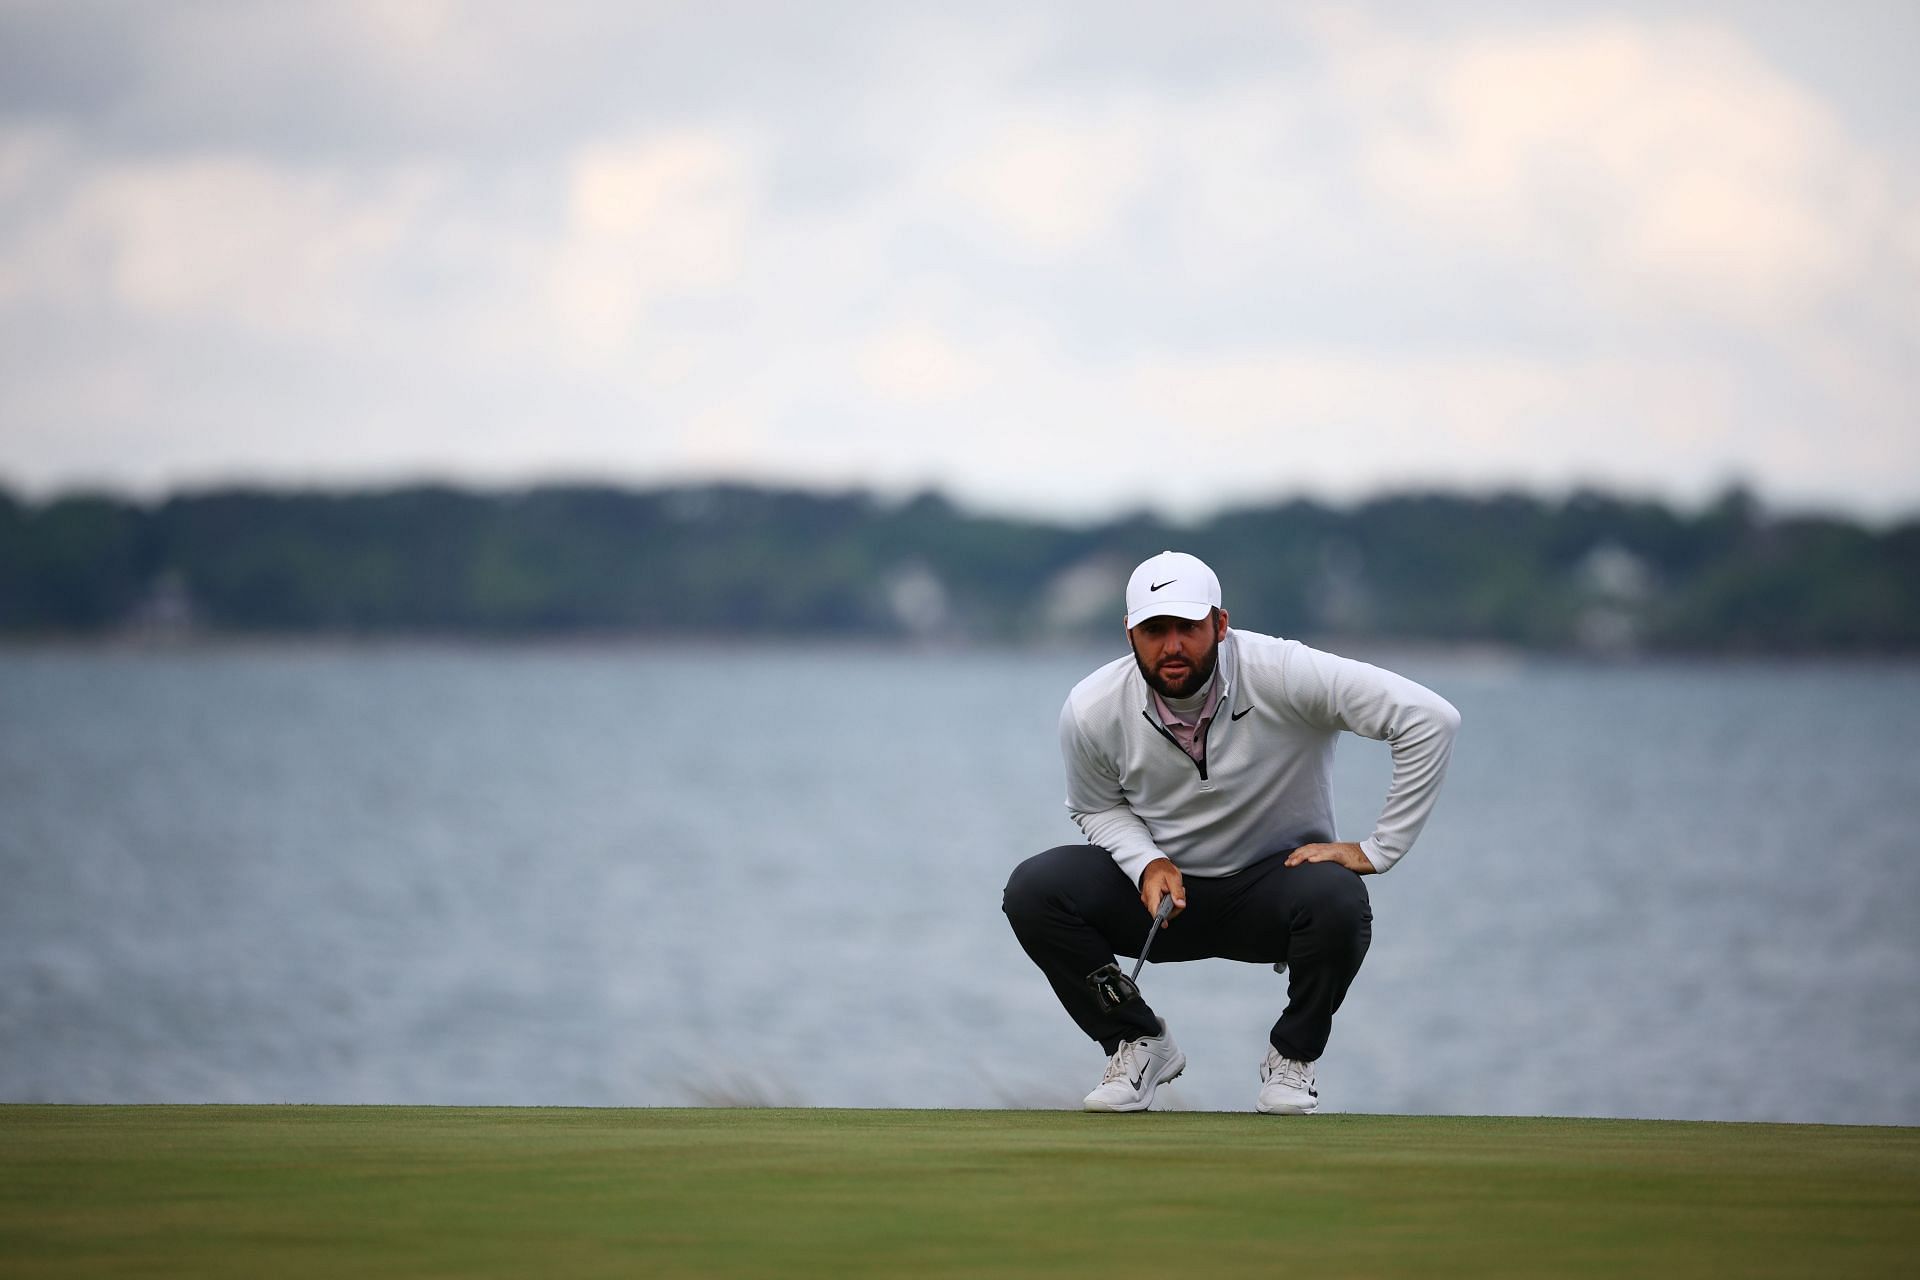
[[1159, 918], [1113, 988]]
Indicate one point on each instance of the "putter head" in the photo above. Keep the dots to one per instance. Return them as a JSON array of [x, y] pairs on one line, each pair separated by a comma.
[[1111, 987]]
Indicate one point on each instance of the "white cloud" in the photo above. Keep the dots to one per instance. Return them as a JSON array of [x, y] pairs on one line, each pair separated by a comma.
[[916, 364], [1055, 183], [1455, 416], [647, 216], [216, 238], [1657, 164], [1624, 250]]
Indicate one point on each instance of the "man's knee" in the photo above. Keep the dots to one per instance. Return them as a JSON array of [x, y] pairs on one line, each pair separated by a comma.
[[1335, 899], [1045, 877]]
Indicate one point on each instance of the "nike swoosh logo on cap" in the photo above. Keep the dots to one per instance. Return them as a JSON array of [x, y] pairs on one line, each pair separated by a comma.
[[1169, 582]]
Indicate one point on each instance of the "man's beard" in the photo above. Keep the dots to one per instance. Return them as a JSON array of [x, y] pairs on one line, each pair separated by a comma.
[[1196, 678]]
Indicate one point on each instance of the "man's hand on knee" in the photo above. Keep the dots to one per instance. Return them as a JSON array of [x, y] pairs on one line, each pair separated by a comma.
[[1346, 853], [1160, 879]]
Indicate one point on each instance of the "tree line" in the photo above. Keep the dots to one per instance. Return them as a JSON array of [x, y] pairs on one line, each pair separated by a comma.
[[1588, 572]]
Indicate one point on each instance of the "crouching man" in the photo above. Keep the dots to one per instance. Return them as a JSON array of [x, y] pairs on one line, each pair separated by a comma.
[[1200, 767]]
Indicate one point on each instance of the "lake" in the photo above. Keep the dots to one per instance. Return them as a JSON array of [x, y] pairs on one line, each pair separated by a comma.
[[717, 873]]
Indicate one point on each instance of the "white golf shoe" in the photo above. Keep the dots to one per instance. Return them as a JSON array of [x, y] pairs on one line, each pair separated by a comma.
[[1136, 1069], [1286, 1086]]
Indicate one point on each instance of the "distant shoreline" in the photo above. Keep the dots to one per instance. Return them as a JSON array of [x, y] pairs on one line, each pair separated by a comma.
[[1382, 650], [1594, 574]]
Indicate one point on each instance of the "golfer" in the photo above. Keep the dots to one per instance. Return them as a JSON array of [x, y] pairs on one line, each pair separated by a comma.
[[1199, 767]]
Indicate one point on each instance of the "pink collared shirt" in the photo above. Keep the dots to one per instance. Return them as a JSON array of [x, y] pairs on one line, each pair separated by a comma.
[[1191, 737]]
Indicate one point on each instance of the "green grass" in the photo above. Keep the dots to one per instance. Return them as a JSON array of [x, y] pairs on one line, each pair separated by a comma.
[[325, 1191]]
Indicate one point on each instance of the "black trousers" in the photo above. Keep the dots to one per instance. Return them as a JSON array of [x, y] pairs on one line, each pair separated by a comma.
[[1073, 910]]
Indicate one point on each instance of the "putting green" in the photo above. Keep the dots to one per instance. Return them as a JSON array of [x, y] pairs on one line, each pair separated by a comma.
[[377, 1191]]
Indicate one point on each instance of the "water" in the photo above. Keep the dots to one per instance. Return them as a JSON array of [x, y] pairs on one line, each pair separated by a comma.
[[634, 876]]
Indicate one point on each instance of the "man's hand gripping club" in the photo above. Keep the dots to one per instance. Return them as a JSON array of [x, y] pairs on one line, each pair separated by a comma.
[[1159, 880]]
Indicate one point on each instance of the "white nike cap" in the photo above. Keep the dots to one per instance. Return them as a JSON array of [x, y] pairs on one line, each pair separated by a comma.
[[1171, 584]]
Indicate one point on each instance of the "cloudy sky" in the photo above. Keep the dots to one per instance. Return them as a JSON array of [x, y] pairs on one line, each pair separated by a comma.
[[1059, 259]]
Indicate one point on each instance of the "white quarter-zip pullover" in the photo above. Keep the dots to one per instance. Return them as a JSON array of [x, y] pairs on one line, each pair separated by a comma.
[[1266, 786]]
